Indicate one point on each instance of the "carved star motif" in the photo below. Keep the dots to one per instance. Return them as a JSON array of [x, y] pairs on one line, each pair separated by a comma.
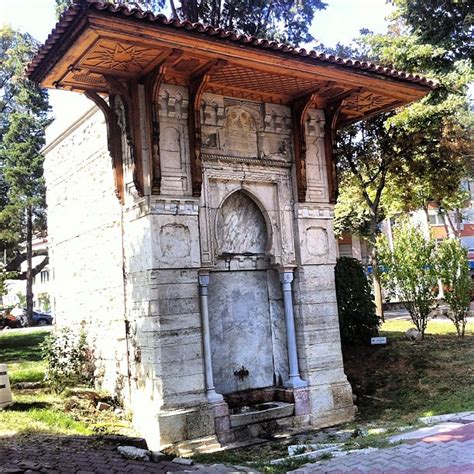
[[120, 57]]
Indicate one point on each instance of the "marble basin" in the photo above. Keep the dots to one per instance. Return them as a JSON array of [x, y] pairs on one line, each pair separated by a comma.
[[243, 416]]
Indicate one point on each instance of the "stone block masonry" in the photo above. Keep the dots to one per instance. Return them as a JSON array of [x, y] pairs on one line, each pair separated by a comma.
[[188, 300]]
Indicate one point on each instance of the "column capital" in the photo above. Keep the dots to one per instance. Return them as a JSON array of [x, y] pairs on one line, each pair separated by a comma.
[[203, 277], [286, 274]]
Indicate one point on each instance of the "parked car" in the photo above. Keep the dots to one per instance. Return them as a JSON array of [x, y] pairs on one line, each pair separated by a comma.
[[10, 320], [42, 319]]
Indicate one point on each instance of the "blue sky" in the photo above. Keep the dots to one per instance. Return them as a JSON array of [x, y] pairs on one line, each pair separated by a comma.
[[340, 22]]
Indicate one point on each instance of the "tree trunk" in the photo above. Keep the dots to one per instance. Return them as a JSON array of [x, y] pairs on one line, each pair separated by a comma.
[[375, 269], [29, 263], [427, 225]]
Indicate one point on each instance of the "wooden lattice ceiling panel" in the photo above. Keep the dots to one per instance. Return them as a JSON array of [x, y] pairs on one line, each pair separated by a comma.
[[237, 77]]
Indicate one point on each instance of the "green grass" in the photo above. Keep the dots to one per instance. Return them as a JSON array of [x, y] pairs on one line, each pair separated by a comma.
[[405, 380], [435, 326], [42, 411], [22, 354]]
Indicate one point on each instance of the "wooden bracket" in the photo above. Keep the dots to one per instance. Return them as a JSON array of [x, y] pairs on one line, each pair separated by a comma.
[[130, 100], [332, 111], [114, 141], [299, 110], [197, 86], [152, 84]]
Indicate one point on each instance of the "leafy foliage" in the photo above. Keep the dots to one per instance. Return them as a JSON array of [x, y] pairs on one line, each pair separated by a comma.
[[445, 24], [357, 319], [282, 20], [23, 118], [410, 271], [69, 359], [453, 267]]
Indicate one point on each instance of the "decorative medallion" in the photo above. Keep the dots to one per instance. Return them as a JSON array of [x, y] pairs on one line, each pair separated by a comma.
[[119, 57]]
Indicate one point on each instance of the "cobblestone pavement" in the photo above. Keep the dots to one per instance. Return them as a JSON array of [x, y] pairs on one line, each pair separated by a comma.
[[444, 453], [72, 455]]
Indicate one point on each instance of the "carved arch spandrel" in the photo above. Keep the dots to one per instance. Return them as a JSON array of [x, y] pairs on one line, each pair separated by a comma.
[[114, 141]]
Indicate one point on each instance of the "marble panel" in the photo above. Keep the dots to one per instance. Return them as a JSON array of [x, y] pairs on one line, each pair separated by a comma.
[[241, 341], [240, 226]]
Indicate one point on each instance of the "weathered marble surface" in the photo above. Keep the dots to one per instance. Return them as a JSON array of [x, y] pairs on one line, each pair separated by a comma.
[[240, 226], [140, 263], [239, 318]]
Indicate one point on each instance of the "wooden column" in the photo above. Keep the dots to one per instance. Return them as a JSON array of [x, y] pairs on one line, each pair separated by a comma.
[[130, 100], [331, 112], [197, 86], [299, 110], [152, 83]]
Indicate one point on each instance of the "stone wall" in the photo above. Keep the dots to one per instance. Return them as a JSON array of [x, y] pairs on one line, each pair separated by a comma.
[[246, 225], [85, 242]]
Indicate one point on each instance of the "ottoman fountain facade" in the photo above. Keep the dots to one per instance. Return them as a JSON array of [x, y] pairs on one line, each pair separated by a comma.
[[190, 218]]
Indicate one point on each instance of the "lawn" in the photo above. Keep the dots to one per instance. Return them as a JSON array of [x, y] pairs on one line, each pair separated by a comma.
[[405, 379], [40, 410]]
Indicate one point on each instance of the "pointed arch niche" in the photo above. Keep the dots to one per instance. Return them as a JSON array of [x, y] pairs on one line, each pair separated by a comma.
[[247, 332], [241, 227]]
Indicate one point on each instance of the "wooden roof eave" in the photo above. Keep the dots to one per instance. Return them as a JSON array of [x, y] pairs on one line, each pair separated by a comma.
[[95, 25], [249, 56]]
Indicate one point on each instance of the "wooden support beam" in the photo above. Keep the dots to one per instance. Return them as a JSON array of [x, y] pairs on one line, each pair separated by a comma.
[[332, 111], [299, 110], [197, 86], [114, 141], [152, 83], [130, 100]]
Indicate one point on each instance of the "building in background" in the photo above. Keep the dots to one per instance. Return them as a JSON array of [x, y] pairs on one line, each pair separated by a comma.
[[458, 223], [16, 289]]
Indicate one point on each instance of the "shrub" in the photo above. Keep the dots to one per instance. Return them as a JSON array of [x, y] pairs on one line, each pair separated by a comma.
[[410, 271], [453, 268], [357, 319], [69, 359]]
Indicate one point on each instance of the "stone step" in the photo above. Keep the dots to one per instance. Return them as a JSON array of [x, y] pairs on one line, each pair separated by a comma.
[[207, 444]]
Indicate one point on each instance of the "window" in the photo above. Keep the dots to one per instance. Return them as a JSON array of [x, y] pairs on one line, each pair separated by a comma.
[[345, 250], [44, 276], [435, 219]]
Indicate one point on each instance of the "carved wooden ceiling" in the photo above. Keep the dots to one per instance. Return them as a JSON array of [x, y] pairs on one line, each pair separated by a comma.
[[100, 49]]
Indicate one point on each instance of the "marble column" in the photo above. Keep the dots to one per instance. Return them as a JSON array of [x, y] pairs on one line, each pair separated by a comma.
[[211, 393], [294, 379]]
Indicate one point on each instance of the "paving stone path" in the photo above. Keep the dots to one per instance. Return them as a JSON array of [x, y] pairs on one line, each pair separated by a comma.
[[72, 455], [448, 452], [437, 452]]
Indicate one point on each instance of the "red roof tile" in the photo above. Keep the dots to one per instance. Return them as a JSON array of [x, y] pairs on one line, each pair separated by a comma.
[[74, 11]]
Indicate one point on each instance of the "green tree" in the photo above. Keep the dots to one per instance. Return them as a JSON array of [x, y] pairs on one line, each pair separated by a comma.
[[418, 154], [453, 268], [410, 271], [282, 20], [449, 25], [368, 155], [357, 319], [23, 118]]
